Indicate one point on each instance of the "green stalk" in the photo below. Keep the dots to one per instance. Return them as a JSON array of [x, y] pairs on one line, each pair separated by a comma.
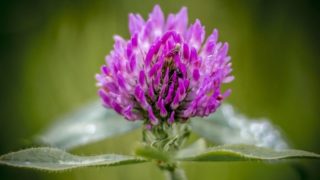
[[168, 138], [176, 174]]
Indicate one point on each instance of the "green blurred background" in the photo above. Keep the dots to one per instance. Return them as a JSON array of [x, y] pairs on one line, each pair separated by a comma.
[[51, 50]]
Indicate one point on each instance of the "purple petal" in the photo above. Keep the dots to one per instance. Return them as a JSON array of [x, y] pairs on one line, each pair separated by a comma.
[[186, 51], [166, 36], [151, 93], [170, 94], [224, 49], [163, 90], [104, 97], [105, 70], [166, 76], [196, 74], [116, 107], [129, 50], [152, 51], [175, 102], [186, 83], [178, 22], [171, 118], [211, 42], [127, 112], [183, 69], [148, 30], [121, 81], [227, 93], [140, 97], [160, 106], [134, 40], [193, 55], [150, 55], [119, 43], [111, 86], [132, 63], [136, 23], [196, 34], [228, 79], [181, 87], [157, 19], [157, 15], [154, 69], [157, 80], [152, 117], [141, 77], [177, 38]]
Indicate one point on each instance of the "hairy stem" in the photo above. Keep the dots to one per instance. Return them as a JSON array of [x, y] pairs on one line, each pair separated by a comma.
[[176, 174], [168, 138]]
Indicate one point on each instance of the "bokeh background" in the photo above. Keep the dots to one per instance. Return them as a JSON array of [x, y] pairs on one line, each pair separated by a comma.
[[51, 50]]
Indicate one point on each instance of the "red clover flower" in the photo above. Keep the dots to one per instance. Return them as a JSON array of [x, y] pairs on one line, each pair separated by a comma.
[[165, 72]]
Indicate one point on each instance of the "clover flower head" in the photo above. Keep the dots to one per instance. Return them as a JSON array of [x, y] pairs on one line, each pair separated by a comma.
[[166, 72]]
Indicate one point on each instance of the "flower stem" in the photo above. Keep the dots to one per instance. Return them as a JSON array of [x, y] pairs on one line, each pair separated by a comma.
[[176, 174]]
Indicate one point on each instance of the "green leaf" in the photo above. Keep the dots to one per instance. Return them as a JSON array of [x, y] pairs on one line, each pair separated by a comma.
[[243, 153], [151, 153], [53, 159], [228, 127], [198, 146], [87, 125]]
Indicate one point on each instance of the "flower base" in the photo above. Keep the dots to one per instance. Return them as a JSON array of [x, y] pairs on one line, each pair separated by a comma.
[[167, 137]]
